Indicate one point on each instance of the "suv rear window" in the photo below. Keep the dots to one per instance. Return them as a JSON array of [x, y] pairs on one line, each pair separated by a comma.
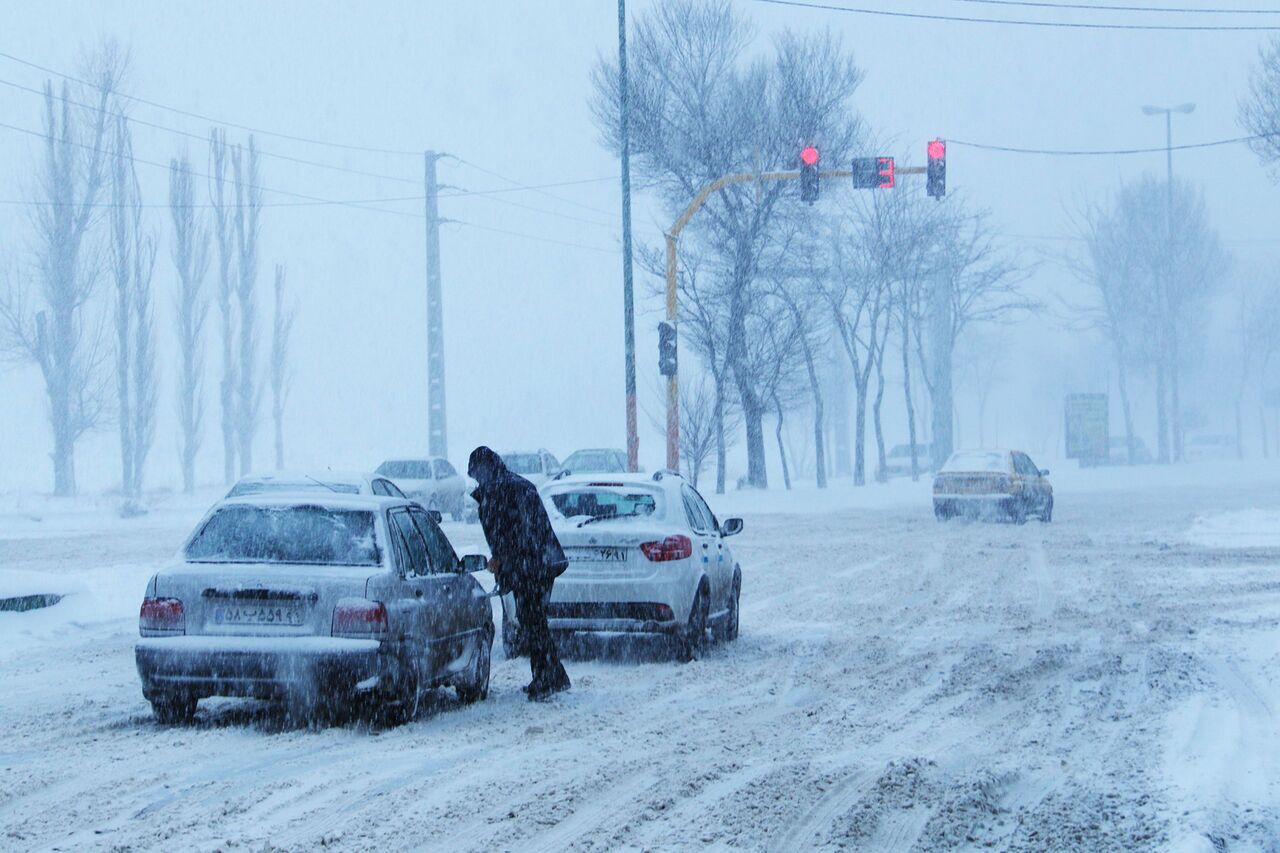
[[602, 502], [310, 535]]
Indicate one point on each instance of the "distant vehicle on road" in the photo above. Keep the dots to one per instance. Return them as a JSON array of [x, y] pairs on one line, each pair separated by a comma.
[[897, 463], [1118, 450], [987, 483], [596, 461], [432, 482], [321, 600], [1206, 446], [536, 466], [646, 555], [294, 482]]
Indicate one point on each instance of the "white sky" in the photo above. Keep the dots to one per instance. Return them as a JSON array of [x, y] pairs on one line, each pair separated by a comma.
[[533, 329]]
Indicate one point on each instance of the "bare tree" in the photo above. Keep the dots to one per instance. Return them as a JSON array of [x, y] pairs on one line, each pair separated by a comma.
[[190, 253], [133, 255], [281, 373], [219, 154], [46, 317], [248, 210], [1258, 335], [691, 76]]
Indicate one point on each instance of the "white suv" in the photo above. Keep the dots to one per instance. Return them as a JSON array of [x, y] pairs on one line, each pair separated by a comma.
[[646, 555]]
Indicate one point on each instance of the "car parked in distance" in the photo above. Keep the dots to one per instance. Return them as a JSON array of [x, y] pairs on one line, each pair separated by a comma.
[[294, 482], [432, 482], [1118, 451], [596, 461], [320, 599], [646, 556], [990, 483], [536, 466], [897, 463]]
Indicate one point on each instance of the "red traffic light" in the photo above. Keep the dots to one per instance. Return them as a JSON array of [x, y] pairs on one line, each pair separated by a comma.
[[809, 155], [937, 149]]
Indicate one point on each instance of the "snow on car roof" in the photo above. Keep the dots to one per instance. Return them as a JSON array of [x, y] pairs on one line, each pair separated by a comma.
[[308, 477], [332, 500]]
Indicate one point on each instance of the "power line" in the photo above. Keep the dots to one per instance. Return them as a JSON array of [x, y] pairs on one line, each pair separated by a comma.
[[1100, 152], [1106, 8], [538, 190], [533, 237], [920, 16], [202, 117], [546, 212]]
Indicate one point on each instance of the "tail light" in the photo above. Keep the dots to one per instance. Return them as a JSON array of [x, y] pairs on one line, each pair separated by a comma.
[[360, 617], [676, 547], [161, 616]]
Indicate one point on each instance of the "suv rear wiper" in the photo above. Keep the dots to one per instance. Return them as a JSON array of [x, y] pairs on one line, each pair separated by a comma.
[[593, 519]]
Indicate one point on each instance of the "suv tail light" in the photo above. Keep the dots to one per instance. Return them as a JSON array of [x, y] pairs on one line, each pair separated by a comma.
[[360, 617], [161, 615], [676, 547]]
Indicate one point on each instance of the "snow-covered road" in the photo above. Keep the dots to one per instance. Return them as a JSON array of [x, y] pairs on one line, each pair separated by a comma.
[[1104, 682]]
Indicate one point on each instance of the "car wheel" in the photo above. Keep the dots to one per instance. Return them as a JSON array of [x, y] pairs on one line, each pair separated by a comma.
[[512, 642], [941, 512], [693, 638], [475, 687], [173, 708], [727, 631], [1046, 514], [1018, 512]]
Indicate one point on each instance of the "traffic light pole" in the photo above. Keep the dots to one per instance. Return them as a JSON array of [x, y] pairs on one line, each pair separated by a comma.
[[673, 238]]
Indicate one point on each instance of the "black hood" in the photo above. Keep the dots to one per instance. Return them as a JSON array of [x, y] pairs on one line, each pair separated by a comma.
[[484, 466]]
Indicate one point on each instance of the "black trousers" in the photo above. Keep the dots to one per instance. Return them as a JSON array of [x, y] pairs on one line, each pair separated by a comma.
[[531, 610]]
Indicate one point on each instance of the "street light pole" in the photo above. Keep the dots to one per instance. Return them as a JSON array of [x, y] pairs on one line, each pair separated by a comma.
[[628, 298], [1171, 327]]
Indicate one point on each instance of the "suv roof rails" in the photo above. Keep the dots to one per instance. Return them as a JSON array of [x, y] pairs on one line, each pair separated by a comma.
[[663, 473]]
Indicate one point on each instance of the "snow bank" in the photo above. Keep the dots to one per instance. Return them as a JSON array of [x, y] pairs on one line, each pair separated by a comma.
[[1249, 528]]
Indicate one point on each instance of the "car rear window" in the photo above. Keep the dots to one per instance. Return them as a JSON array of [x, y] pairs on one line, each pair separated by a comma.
[[606, 502], [310, 535], [523, 463], [408, 469], [973, 461]]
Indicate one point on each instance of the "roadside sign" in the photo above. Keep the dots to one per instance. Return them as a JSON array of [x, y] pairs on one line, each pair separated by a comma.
[[1087, 427]]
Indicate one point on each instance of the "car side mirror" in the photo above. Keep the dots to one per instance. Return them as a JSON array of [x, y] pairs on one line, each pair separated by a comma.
[[731, 527], [473, 563], [435, 515], [1044, 472]]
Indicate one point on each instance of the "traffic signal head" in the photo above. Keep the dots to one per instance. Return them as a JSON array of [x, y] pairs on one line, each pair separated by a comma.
[[666, 349], [873, 173], [809, 174], [937, 173]]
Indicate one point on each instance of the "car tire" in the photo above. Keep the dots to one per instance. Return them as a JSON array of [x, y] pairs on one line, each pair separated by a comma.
[[727, 630], [941, 512], [513, 645], [173, 709], [693, 638], [475, 687], [1046, 514], [1018, 512]]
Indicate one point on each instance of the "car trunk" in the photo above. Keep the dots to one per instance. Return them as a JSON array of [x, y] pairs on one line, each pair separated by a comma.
[[261, 599], [972, 483], [607, 550]]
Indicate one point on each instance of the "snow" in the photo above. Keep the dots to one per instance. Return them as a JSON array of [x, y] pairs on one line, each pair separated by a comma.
[[1102, 682], [1250, 528], [259, 645]]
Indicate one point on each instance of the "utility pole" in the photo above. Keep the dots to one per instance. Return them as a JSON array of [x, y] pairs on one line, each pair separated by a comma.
[[1171, 330], [437, 435], [628, 298]]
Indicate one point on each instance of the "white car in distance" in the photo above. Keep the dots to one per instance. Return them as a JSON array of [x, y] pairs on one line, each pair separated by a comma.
[[536, 466], [646, 556], [432, 482]]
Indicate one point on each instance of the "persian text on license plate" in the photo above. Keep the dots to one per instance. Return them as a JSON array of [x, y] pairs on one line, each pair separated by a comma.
[[257, 614], [597, 555]]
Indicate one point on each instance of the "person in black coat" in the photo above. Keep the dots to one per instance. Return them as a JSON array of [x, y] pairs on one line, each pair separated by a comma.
[[527, 558]]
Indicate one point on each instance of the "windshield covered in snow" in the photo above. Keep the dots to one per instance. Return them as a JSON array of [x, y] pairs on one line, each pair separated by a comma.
[[523, 463], [298, 534], [606, 502], [407, 469], [992, 461], [258, 487]]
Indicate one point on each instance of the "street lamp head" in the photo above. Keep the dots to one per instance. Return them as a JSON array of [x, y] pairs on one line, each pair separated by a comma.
[[1152, 111], [1184, 108]]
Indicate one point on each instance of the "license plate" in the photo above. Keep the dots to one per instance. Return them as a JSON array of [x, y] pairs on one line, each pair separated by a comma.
[[258, 614], [596, 555]]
